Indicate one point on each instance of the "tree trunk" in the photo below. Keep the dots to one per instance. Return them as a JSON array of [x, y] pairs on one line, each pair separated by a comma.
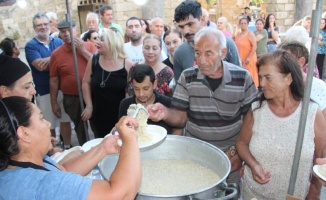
[[302, 9], [153, 8]]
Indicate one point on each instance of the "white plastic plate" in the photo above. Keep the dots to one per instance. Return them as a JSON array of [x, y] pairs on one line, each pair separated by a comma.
[[316, 169], [60, 155], [90, 144], [158, 135]]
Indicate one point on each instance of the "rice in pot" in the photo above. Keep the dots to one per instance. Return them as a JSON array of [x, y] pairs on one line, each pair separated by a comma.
[[175, 177]]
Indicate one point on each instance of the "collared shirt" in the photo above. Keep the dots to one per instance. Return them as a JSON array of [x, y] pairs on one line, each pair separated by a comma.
[[62, 66], [113, 25], [215, 116], [36, 49], [211, 24]]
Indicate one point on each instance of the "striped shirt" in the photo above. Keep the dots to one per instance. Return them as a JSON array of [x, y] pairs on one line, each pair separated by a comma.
[[215, 116]]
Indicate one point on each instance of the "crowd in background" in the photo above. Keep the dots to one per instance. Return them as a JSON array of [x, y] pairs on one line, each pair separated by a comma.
[[235, 86]]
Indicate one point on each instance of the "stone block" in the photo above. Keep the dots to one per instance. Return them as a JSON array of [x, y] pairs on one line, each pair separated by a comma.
[[281, 15], [4, 14], [288, 22], [121, 7], [280, 7], [289, 7], [282, 29], [281, 1], [8, 21], [36, 3]]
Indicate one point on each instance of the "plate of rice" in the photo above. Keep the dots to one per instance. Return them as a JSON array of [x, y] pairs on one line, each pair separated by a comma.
[[153, 137], [320, 170]]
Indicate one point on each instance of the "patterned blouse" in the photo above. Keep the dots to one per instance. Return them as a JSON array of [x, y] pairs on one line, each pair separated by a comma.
[[322, 49], [316, 72], [164, 78]]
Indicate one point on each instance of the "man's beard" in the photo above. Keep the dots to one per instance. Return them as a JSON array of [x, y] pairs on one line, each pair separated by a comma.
[[43, 35], [136, 38]]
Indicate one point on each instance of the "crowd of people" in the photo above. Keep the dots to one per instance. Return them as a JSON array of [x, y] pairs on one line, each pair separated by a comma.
[[238, 90]]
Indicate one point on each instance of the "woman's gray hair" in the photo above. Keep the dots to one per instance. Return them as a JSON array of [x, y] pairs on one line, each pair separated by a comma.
[[52, 15], [214, 33], [297, 33]]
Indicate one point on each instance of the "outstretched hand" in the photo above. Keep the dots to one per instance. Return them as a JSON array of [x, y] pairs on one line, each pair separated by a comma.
[[157, 112], [259, 175]]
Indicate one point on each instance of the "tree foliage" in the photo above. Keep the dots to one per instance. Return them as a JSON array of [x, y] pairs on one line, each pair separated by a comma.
[[255, 2], [211, 2]]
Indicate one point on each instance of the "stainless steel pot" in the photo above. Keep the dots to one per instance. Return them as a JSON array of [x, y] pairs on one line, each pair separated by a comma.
[[180, 147]]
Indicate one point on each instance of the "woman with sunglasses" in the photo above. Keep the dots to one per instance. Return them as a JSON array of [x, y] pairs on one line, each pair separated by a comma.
[[91, 36], [104, 82]]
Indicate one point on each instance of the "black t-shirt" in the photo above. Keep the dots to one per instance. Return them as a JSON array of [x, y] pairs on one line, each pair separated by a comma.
[[166, 101], [168, 62], [214, 83]]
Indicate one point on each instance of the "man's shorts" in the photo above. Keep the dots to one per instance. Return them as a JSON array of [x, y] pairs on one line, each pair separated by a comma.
[[44, 103]]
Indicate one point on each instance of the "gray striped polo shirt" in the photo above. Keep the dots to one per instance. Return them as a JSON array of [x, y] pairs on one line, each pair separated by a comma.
[[215, 116]]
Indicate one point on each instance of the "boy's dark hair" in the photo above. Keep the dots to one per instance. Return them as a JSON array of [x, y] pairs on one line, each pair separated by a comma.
[[140, 71]]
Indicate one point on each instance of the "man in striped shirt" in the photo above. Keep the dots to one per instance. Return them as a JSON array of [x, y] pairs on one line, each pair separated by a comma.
[[211, 99]]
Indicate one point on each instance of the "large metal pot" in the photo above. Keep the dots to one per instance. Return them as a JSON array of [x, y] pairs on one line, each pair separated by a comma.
[[180, 147]]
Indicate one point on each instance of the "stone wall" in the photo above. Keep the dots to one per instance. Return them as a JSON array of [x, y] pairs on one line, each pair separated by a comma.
[[15, 19], [284, 12], [230, 9]]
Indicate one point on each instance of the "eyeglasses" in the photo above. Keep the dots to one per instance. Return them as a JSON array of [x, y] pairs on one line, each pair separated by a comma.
[[41, 25], [95, 38]]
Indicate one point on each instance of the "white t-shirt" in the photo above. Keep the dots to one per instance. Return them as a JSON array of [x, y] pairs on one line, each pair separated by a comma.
[[134, 53], [318, 92]]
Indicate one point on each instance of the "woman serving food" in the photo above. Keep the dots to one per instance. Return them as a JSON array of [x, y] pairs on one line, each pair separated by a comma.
[[25, 139]]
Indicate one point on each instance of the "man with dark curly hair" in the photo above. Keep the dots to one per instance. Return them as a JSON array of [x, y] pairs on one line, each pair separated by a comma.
[[189, 19]]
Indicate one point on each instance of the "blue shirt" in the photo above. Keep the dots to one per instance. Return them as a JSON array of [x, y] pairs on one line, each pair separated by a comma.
[[27, 183], [322, 49], [35, 49]]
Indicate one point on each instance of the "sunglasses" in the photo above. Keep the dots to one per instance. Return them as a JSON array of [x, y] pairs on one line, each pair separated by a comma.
[[95, 38]]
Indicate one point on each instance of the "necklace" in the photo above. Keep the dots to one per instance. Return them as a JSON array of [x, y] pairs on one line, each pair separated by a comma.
[[135, 49], [102, 84]]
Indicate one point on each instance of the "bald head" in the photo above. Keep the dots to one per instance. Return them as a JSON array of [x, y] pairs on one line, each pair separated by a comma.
[[205, 16], [157, 26]]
